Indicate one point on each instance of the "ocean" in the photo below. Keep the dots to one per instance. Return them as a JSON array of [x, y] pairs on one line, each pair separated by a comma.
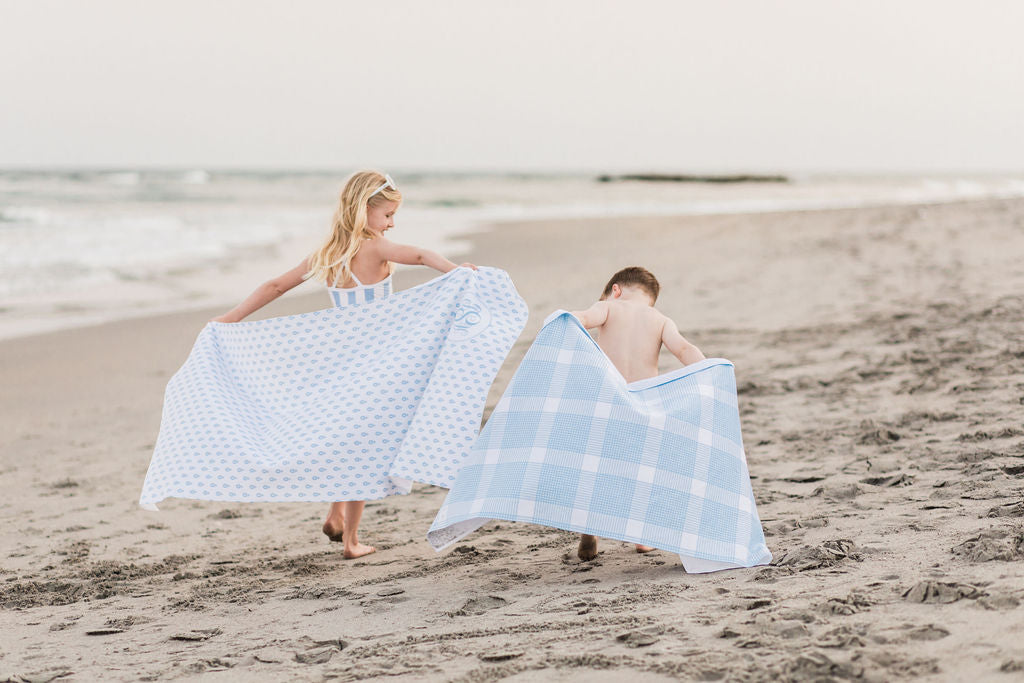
[[88, 246]]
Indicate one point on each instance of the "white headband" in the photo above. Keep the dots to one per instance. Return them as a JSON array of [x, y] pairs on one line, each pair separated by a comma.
[[388, 182]]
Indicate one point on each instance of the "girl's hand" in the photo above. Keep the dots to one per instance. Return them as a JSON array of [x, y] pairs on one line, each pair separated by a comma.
[[467, 265], [223, 319]]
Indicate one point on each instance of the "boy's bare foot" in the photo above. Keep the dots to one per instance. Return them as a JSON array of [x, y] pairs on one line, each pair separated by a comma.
[[357, 550], [588, 547], [644, 548]]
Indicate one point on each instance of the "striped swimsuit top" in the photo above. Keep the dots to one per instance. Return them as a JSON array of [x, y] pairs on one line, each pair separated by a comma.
[[360, 294]]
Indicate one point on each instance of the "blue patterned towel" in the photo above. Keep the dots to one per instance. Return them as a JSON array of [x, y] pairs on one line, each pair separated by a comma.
[[341, 404], [573, 446]]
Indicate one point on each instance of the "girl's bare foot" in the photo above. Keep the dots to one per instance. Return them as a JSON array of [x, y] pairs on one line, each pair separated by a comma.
[[357, 550], [644, 548], [352, 512], [588, 547], [334, 533], [334, 525]]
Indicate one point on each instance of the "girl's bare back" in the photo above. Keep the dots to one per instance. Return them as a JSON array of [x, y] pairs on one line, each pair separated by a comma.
[[368, 265]]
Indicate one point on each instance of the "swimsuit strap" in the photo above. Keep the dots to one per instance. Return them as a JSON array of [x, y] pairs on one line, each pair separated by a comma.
[[342, 264], [336, 277]]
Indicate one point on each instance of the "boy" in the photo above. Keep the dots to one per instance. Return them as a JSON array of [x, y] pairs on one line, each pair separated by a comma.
[[631, 333]]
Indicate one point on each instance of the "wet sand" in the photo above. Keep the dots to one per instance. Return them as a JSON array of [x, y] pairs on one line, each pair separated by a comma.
[[880, 360]]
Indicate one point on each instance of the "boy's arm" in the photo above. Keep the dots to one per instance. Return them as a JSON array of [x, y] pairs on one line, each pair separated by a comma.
[[595, 316], [265, 293], [680, 348], [414, 256]]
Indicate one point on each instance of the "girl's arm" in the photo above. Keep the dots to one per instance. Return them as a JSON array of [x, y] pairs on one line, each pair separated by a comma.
[[414, 256], [265, 293]]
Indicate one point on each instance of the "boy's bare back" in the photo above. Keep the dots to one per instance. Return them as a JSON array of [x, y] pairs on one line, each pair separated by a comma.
[[631, 337], [631, 332]]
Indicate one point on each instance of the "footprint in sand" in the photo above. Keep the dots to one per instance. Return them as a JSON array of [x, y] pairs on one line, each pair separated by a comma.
[[844, 637], [999, 601], [227, 513], [851, 604], [197, 635], [878, 437], [319, 651], [1005, 433], [928, 632], [900, 479], [819, 666], [838, 493], [940, 592], [787, 629], [641, 637], [1003, 543], [828, 554], [112, 627], [475, 606]]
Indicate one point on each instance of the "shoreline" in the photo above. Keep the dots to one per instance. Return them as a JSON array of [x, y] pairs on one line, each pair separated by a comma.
[[461, 244]]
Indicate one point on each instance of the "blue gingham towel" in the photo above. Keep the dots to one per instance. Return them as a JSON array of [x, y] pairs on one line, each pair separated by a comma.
[[346, 403], [573, 446]]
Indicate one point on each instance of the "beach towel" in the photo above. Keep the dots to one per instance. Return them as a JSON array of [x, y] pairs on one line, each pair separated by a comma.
[[571, 445], [350, 403]]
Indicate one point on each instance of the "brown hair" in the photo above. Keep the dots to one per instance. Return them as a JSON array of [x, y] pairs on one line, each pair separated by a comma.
[[637, 277]]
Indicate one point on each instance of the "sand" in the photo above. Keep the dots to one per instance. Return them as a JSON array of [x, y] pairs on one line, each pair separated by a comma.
[[881, 369]]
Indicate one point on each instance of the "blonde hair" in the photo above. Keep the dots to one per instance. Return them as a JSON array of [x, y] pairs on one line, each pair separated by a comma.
[[349, 226]]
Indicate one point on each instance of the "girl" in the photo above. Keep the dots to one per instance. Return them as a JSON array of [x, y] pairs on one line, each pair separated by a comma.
[[356, 264]]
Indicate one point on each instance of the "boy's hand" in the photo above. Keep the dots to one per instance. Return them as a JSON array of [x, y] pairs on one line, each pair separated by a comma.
[[467, 265], [223, 319]]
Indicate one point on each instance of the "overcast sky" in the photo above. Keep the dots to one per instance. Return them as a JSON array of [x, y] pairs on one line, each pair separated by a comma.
[[747, 85]]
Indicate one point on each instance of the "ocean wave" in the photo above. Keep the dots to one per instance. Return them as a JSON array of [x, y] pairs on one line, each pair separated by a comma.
[[126, 178], [26, 214], [453, 203], [197, 177]]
